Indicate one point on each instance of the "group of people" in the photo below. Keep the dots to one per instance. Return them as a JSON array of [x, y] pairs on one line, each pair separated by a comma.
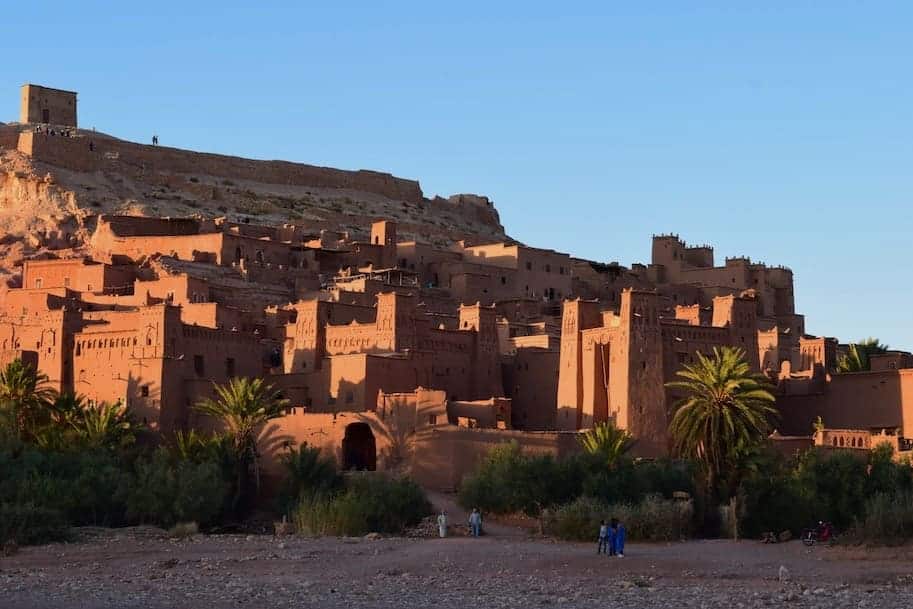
[[611, 538], [475, 523], [48, 130]]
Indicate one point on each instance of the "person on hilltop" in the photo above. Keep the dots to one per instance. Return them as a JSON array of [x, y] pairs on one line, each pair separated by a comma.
[[603, 547], [618, 538], [475, 522], [442, 524]]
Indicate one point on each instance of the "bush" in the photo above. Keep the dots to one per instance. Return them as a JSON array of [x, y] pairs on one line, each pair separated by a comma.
[[508, 481], [888, 520], [629, 482], [371, 503], [774, 502], [167, 491], [28, 523], [651, 519], [308, 473]]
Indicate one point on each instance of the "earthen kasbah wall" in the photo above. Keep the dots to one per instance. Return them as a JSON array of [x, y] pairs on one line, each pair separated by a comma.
[[9, 137], [74, 153]]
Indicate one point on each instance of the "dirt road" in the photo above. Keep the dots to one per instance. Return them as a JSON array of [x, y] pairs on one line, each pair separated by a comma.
[[140, 568]]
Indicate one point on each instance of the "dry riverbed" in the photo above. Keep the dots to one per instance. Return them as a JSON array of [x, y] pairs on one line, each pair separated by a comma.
[[142, 568]]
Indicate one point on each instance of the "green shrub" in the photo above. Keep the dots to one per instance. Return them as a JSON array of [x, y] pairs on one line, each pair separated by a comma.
[[888, 520], [835, 485], [370, 503], [651, 519], [507, 481], [774, 502], [308, 473], [629, 482], [27, 523], [167, 491]]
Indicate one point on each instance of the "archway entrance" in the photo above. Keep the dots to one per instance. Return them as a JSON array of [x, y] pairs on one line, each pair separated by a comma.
[[359, 450]]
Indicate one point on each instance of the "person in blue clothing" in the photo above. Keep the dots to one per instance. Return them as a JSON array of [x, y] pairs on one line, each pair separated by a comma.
[[617, 534]]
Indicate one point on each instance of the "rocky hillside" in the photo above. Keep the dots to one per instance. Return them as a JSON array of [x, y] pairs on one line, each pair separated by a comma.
[[53, 188]]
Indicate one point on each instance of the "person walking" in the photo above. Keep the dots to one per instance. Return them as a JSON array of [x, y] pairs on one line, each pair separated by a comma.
[[603, 547], [475, 522], [442, 524], [618, 538]]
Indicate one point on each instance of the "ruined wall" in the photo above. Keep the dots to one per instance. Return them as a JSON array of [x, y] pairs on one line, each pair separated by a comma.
[[73, 153]]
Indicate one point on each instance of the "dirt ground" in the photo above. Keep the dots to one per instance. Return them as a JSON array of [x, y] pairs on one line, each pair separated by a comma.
[[143, 568]]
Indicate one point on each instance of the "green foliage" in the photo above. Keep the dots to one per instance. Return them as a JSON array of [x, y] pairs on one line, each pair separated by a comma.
[[858, 355], [370, 503], [724, 414], [243, 406], [308, 473], [25, 397], [508, 481], [629, 482], [166, 491], [27, 523], [888, 519], [606, 442], [774, 502], [650, 519]]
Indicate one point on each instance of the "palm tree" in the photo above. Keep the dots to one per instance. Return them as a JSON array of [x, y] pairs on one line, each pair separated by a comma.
[[24, 398], [606, 442], [104, 425], [857, 357], [724, 413], [244, 405]]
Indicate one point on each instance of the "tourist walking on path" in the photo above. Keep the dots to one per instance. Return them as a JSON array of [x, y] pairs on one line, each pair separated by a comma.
[[475, 522], [618, 538], [442, 524], [603, 547]]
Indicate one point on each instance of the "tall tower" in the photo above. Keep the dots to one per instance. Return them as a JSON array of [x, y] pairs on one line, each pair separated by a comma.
[[638, 391], [577, 315], [486, 364], [395, 323]]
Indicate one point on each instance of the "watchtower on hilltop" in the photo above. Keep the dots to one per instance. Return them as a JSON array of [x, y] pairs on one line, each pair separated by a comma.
[[47, 105]]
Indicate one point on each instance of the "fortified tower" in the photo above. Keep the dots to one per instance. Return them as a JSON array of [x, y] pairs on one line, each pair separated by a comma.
[[47, 105]]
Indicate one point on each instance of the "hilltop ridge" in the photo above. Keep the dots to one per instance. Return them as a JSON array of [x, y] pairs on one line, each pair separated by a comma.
[[53, 189]]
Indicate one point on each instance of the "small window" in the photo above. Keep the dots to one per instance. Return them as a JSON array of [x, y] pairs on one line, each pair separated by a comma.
[[66, 282], [503, 280], [548, 268], [199, 366], [350, 397], [529, 266], [38, 283], [144, 391], [230, 367], [432, 419]]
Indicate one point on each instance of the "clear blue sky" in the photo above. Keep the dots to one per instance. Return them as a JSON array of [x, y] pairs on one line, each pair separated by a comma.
[[780, 130]]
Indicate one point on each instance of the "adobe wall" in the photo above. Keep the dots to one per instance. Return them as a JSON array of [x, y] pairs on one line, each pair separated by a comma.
[[204, 248], [863, 400], [73, 153], [531, 381], [68, 152], [443, 455], [141, 226], [9, 137]]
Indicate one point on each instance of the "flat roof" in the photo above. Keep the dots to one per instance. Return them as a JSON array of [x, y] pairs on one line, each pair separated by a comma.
[[29, 84]]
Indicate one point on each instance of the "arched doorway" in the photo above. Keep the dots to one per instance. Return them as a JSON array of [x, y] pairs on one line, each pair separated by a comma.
[[359, 450]]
